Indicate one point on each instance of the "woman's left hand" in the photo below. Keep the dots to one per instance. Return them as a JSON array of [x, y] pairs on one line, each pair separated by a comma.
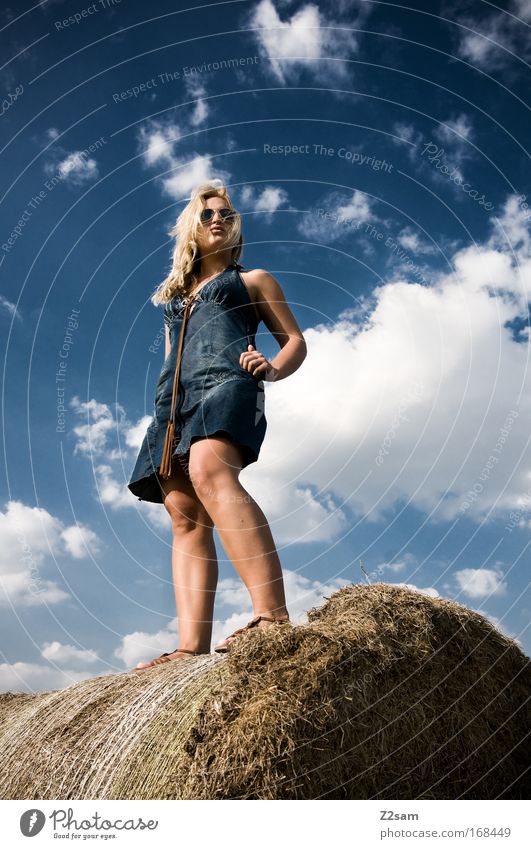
[[255, 363]]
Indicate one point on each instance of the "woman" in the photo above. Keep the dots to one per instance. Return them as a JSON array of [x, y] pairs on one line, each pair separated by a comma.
[[209, 420]]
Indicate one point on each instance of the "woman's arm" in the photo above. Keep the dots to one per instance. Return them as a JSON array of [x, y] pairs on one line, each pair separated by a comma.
[[274, 311], [168, 343]]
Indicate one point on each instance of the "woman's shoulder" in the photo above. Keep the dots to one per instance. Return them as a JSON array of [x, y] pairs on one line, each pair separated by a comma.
[[258, 278], [254, 273]]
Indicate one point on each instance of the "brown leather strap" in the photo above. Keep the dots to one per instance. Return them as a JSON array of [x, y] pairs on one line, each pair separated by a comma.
[[165, 470], [178, 361]]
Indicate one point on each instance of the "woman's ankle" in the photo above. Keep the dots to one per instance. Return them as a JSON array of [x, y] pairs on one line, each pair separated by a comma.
[[277, 613]]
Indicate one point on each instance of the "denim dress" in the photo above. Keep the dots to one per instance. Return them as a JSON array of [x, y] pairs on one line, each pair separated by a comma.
[[215, 394]]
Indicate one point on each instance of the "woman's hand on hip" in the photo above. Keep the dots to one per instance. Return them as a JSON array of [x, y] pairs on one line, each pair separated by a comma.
[[256, 364]]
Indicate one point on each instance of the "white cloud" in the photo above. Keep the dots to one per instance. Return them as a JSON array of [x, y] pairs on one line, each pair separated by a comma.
[[406, 405], [189, 173], [134, 434], [455, 131], [61, 653], [496, 39], [308, 40], [522, 9], [157, 141], [157, 144], [511, 232], [71, 167], [478, 583], [336, 217], [296, 513], [92, 437], [196, 89], [9, 307], [77, 168], [110, 491], [430, 591], [448, 145], [35, 678], [80, 541], [98, 439], [30, 537], [412, 241], [264, 202]]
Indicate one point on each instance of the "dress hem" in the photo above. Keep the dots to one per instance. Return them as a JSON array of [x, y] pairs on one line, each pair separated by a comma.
[[148, 483]]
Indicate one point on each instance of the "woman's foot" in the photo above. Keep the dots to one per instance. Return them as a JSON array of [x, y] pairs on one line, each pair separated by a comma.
[[262, 621], [167, 656]]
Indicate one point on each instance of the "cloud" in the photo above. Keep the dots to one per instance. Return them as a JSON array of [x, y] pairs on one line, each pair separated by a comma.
[[79, 541], [157, 140], [455, 131], [196, 89], [430, 591], [92, 438], [308, 40], [35, 678], [30, 538], [74, 168], [264, 202], [478, 583], [9, 308], [134, 434], [449, 145], [413, 398], [497, 39], [336, 217], [411, 241], [105, 438], [61, 653]]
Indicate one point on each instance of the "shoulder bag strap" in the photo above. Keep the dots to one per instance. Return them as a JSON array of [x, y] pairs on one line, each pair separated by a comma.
[[165, 470]]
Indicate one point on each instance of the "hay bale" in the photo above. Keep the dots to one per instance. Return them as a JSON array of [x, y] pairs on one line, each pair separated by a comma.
[[110, 737], [385, 693]]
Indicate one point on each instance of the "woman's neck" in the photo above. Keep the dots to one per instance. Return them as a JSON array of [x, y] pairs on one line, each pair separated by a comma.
[[213, 264]]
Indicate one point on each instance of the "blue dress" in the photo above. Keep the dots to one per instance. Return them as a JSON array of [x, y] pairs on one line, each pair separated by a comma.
[[215, 394]]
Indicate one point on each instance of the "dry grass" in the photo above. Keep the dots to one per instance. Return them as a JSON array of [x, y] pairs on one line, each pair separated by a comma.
[[385, 693]]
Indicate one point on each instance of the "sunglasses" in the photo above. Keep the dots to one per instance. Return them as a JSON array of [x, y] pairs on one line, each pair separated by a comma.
[[226, 214]]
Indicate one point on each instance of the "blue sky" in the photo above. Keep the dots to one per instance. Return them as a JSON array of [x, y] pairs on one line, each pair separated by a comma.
[[378, 158]]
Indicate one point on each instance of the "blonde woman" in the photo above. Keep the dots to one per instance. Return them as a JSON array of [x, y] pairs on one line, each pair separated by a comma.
[[209, 420]]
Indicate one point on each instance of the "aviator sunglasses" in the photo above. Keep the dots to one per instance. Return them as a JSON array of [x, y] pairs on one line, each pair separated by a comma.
[[226, 214]]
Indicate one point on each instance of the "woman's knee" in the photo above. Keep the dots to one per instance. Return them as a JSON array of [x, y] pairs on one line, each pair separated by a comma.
[[186, 513], [214, 465]]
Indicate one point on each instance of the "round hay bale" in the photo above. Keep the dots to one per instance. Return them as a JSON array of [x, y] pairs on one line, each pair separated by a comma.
[[110, 737], [385, 693]]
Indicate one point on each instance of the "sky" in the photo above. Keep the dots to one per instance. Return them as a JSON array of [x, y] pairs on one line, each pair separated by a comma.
[[378, 157]]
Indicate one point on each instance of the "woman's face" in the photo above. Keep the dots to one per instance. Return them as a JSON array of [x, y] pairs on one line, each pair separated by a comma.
[[212, 235]]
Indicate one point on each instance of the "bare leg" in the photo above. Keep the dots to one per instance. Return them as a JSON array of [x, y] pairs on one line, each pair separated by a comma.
[[194, 565], [215, 463]]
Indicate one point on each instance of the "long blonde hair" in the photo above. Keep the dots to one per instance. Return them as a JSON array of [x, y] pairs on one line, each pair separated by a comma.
[[186, 257]]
